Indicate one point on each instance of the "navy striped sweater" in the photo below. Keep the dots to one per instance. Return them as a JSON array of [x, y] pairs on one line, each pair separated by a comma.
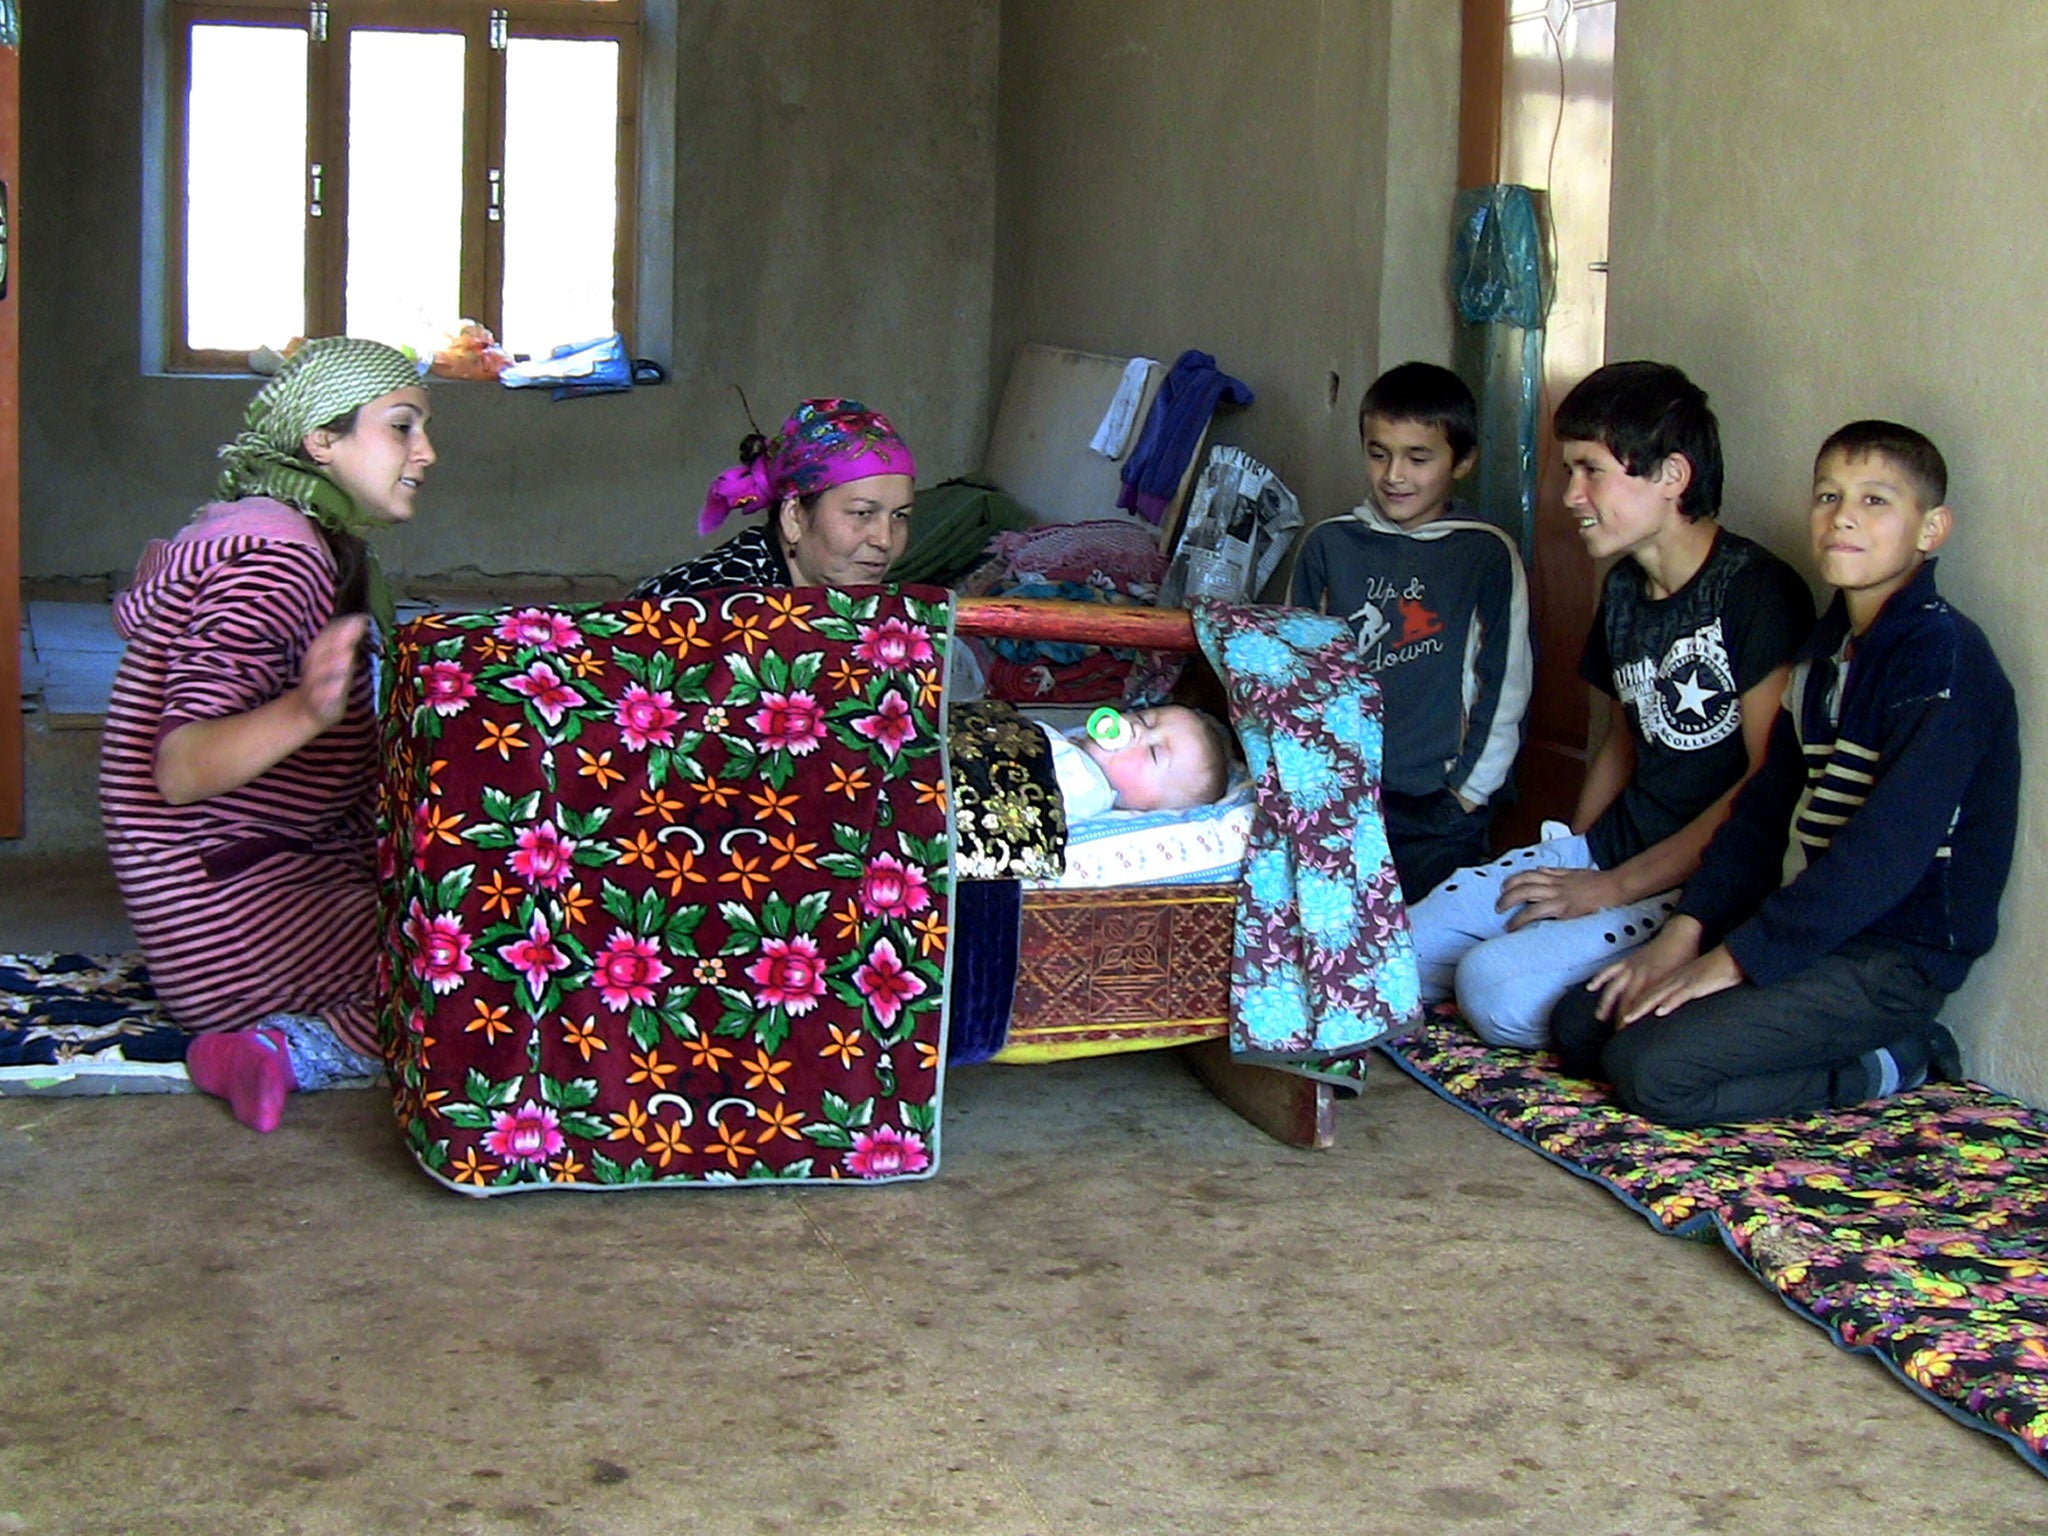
[[1887, 803]]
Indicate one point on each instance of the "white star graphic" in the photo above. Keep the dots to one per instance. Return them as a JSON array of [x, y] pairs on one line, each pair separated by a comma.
[[1692, 698]]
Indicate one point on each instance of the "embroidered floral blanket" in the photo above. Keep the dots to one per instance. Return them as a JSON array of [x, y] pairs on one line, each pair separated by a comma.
[[1322, 965], [667, 893], [1914, 1229]]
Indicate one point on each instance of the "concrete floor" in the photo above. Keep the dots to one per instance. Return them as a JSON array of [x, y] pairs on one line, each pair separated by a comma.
[[1117, 1309]]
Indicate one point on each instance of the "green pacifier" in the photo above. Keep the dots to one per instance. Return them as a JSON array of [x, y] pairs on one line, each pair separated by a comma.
[[1108, 729]]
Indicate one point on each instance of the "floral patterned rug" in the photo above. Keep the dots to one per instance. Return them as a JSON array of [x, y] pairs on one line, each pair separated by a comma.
[[1914, 1230]]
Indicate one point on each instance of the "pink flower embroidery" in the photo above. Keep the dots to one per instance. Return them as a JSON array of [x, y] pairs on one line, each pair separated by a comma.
[[789, 722], [886, 983], [440, 949], [789, 974], [891, 888], [890, 726], [536, 957], [532, 1133], [627, 970], [895, 645], [886, 1151], [545, 689], [538, 628], [647, 718], [541, 855], [446, 688]]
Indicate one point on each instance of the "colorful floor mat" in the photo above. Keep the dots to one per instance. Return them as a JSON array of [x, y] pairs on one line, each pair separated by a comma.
[[84, 1024], [1915, 1230]]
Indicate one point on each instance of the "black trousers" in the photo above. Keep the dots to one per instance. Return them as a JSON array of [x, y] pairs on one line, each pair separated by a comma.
[[1432, 838], [1751, 1052]]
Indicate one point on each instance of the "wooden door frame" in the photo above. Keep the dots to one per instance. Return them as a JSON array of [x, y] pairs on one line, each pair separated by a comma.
[[11, 732]]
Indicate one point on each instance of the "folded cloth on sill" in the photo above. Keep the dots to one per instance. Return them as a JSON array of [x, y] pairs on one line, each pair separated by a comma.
[[1323, 964], [1912, 1229]]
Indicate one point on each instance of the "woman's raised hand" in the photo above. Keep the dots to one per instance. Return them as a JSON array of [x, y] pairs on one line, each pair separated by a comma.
[[327, 666]]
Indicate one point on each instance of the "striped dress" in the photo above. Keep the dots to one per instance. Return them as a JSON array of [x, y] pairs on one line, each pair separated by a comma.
[[263, 899]]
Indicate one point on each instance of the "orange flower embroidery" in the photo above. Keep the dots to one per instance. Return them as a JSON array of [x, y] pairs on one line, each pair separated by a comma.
[[631, 1125], [779, 1120], [500, 895], [599, 767], [575, 905], [435, 824], [851, 782], [640, 848], [732, 1146], [786, 610], [503, 739], [745, 873], [584, 1038], [679, 872], [789, 851], [644, 620], [490, 1020], [705, 1053], [931, 933], [667, 1142], [714, 793], [651, 1069], [772, 802], [845, 1045], [765, 1071], [655, 802]]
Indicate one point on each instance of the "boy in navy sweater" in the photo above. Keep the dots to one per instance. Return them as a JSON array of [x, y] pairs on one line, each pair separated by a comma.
[[1441, 610], [1858, 874]]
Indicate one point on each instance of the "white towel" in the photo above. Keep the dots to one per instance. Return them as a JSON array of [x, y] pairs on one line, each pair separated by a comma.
[[1113, 437]]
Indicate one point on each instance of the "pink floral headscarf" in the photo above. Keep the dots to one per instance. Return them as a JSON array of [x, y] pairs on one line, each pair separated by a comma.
[[826, 443]]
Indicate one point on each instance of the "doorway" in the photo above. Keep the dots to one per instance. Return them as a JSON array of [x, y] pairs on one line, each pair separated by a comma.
[[1538, 111]]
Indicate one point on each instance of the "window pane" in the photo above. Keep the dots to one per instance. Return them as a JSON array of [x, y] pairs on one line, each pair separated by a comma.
[[404, 185], [245, 192], [561, 190]]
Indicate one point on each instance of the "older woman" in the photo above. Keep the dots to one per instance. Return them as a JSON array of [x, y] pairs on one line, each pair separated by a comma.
[[836, 485]]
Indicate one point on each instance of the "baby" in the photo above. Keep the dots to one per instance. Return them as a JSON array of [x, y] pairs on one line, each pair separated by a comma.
[[1172, 758]]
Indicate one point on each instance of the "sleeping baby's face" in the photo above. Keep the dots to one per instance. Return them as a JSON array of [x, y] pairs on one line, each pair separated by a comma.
[[1167, 764]]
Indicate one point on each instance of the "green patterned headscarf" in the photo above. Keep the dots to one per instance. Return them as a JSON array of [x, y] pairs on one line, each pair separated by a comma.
[[322, 381]]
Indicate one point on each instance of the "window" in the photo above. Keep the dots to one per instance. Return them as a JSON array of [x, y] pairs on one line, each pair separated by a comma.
[[388, 167]]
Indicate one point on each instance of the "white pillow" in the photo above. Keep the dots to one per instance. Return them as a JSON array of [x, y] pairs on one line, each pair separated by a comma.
[[1202, 846]]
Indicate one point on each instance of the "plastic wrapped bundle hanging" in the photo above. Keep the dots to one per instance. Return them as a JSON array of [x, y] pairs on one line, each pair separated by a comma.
[[1240, 522], [1501, 281]]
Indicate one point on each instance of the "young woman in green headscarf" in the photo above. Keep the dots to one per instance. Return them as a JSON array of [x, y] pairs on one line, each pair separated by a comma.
[[238, 771]]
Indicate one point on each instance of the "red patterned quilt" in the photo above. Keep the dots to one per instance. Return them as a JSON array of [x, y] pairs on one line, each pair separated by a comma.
[[667, 894]]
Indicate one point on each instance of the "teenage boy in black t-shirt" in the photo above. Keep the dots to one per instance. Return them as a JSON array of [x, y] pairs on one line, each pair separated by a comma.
[[1693, 643]]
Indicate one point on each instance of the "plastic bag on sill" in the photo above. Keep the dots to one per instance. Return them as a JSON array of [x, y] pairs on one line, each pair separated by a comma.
[[598, 367]]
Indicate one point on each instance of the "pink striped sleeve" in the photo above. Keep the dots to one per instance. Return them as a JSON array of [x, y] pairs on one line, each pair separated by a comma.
[[250, 622]]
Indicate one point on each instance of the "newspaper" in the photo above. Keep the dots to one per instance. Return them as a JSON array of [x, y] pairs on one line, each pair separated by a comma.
[[1240, 522]]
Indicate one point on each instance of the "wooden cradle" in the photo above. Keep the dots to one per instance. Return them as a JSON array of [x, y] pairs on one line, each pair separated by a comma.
[[1142, 967]]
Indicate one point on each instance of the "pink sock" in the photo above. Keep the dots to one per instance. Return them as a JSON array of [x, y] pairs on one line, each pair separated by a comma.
[[250, 1068]]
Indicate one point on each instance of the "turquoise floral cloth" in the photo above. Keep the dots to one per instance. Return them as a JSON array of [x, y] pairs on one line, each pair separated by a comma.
[[1323, 964]]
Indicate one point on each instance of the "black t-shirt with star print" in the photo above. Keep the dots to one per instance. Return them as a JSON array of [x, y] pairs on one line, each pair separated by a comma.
[[1680, 665]]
